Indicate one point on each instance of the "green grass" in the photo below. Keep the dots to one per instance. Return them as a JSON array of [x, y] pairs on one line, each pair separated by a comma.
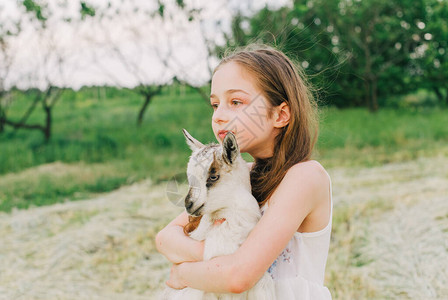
[[355, 137], [100, 147]]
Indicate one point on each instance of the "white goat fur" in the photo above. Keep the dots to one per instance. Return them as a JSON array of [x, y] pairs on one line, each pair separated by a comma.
[[228, 197]]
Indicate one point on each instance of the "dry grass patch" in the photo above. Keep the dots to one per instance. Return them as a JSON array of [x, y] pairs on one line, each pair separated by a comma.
[[380, 215], [390, 227], [93, 249]]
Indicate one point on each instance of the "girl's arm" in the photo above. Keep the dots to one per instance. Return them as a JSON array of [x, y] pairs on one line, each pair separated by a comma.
[[175, 245], [304, 187]]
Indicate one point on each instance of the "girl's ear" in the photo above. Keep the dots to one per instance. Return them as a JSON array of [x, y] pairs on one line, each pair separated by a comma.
[[230, 148], [282, 115], [193, 143]]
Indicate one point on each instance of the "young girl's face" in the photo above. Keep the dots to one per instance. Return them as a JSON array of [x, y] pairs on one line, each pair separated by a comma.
[[241, 108]]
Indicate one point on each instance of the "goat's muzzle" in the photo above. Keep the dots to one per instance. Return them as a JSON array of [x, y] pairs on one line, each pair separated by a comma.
[[189, 202]]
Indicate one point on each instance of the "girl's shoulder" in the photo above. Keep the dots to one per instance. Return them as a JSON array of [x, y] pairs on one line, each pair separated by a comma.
[[310, 168], [315, 174], [303, 194], [318, 182], [310, 173]]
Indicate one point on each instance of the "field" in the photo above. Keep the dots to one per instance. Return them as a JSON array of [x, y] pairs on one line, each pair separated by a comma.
[[390, 184]]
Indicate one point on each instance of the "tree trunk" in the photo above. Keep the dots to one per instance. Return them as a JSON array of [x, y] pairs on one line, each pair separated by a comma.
[[2, 120], [446, 97], [204, 95], [374, 95], [367, 93], [47, 127], [148, 97], [439, 94]]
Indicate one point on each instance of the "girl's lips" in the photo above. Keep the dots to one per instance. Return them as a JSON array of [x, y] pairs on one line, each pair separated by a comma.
[[222, 133]]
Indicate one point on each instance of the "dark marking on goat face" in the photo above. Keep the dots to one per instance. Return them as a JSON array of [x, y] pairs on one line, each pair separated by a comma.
[[213, 173], [230, 148], [188, 201], [229, 153]]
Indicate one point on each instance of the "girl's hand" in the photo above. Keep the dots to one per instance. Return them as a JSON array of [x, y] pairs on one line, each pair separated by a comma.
[[175, 281]]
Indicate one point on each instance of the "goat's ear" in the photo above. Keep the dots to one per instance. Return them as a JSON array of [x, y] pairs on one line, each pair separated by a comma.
[[193, 143], [230, 148]]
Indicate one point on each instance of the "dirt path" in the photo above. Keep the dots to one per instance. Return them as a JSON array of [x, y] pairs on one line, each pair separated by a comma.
[[94, 249], [397, 231], [390, 238]]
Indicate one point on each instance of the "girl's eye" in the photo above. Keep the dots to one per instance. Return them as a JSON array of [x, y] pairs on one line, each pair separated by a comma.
[[234, 103]]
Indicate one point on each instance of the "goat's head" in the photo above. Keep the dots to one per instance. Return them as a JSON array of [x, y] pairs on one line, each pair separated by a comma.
[[213, 170]]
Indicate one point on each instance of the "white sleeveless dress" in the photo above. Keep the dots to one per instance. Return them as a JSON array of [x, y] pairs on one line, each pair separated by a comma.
[[298, 272]]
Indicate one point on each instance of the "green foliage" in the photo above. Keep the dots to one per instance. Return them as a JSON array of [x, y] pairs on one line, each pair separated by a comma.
[[356, 52], [97, 141], [161, 9], [96, 146], [31, 6], [432, 67], [180, 3], [86, 10]]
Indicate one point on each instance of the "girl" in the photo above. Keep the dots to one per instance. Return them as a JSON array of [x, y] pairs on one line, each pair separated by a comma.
[[262, 97]]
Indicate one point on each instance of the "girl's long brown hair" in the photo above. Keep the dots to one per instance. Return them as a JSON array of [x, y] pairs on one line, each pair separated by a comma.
[[279, 80]]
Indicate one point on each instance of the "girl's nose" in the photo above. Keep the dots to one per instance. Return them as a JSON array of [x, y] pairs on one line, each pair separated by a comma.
[[220, 115]]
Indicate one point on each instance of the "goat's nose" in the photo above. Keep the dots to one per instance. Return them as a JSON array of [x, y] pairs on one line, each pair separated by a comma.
[[188, 202], [188, 205]]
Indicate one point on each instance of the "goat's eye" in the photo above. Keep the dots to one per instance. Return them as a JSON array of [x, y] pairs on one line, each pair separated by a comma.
[[214, 177]]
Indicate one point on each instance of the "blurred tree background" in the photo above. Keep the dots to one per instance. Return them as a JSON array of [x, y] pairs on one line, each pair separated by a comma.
[[94, 95], [359, 52], [105, 87]]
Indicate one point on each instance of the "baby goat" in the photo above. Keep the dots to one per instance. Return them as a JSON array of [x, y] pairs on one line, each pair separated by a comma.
[[220, 190]]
